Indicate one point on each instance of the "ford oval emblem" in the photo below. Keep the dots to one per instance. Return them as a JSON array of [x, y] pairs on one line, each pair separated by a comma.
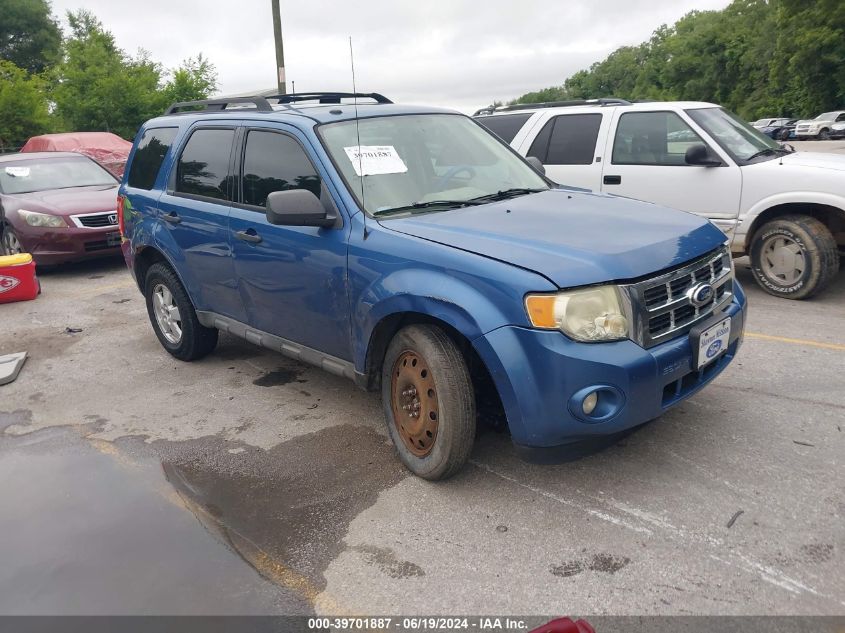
[[701, 295], [714, 348]]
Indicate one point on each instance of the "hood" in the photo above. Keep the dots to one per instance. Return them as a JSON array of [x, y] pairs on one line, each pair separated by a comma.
[[811, 122], [816, 160], [571, 238], [67, 202]]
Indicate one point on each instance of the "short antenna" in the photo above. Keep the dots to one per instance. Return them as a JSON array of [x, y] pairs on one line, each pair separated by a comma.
[[358, 135]]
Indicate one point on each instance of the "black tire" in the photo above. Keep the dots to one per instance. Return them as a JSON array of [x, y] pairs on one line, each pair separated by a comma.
[[8, 237], [824, 135], [817, 247], [195, 340], [783, 135], [449, 392]]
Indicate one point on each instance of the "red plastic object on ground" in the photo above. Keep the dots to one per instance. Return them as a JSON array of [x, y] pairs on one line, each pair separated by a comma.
[[106, 148], [17, 278], [565, 625]]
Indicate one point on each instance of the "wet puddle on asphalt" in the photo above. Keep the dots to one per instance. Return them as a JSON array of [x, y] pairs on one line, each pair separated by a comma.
[[198, 527]]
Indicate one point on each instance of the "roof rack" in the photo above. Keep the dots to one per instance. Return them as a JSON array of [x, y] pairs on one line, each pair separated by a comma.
[[328, 97], [262, 103], [554, 104], [215, 105]]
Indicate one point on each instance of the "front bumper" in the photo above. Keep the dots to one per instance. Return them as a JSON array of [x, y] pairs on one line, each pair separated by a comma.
[[537, 374], [50, 246]]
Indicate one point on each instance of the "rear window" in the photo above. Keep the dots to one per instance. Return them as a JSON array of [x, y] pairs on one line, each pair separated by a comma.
[[568, 139], [149, 156], [203, 167], [504, 126]]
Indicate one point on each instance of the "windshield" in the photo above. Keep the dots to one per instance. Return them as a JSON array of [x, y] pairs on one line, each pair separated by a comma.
[[423, 159], [827, 116], [27, 176], [736, 137]]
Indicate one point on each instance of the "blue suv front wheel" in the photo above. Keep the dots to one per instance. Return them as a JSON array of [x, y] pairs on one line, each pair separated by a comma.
[[429, 402]]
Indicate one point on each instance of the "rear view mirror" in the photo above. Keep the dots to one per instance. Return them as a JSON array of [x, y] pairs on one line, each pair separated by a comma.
[[297, 207], [536, 164], [699, 154]]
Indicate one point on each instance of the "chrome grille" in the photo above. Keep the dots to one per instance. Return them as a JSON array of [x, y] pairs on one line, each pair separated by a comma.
[[96, 220], [663, 307]]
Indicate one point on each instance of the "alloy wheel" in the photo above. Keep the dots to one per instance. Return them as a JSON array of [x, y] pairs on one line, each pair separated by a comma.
[[167, 314]]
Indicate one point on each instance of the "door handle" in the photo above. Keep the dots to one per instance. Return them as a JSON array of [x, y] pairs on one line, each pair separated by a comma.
[[612, 180], [248, 236], [171, 218]]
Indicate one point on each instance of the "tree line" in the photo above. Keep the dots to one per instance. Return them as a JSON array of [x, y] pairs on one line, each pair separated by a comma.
[[755, 57], [82, 80]]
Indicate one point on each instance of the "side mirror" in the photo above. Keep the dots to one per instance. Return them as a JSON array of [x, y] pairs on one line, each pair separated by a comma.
[[536, 164], [699, 154], [297, 207]]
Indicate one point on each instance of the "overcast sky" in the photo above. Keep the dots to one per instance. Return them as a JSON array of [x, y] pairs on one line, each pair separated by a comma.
[[456, 53]]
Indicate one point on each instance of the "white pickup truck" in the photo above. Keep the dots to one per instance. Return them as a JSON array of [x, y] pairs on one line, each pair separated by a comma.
[[784, 209]]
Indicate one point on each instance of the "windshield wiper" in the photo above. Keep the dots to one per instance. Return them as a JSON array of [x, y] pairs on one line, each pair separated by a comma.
[[768, 150], [451, 204], [507, 193]]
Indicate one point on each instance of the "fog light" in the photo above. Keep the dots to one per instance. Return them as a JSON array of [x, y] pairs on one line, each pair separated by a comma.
[[590, 403]]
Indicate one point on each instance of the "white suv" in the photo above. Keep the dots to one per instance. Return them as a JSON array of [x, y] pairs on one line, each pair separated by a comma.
[[819, 127], [784, 209]]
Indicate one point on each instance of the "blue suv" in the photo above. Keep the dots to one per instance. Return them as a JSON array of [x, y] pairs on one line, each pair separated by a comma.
[[412, 251]]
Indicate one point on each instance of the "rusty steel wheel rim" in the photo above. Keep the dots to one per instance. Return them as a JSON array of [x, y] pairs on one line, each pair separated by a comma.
[[414, 403]]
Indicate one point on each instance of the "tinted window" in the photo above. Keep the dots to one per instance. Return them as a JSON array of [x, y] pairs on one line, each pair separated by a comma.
[[275, 162], [505, 126], [652, 138], [149, 156], [573, 140], [540, 147], [203, 167]]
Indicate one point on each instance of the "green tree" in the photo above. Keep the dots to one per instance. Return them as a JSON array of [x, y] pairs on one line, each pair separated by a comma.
[[29, 36], [808, 67], [23, 106], [99, 87], [756, 57], [195, 79]]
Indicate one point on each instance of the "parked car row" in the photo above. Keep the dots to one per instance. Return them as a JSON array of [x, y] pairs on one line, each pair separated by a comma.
[[828, 125], [779, 129]]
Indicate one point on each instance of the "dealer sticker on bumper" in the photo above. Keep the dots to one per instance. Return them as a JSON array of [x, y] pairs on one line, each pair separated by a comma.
[[713, 342]]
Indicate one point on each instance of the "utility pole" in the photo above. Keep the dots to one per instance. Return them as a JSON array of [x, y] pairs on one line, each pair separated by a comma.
[[280, 51]]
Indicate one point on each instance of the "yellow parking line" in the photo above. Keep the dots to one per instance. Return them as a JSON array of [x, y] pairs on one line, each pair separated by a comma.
[[796, 341]]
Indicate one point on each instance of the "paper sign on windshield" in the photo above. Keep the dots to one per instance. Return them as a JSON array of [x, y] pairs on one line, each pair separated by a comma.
[[18, 172], [374, 160]]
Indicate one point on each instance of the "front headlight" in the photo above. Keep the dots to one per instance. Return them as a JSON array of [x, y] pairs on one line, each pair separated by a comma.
[[589, 315], [33, 218]]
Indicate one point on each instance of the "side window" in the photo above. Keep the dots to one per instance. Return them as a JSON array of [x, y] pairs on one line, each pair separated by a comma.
[[841, 117], [149, 155], [573, 139], [275, 162], [540, 147], [652, 138], [505, 126], [203, 167]]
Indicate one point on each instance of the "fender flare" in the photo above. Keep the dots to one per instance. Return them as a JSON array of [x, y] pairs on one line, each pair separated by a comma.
[[749, 219], [436, 295]]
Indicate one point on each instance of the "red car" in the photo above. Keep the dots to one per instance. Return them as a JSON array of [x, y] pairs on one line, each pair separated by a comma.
[[59, 206]]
